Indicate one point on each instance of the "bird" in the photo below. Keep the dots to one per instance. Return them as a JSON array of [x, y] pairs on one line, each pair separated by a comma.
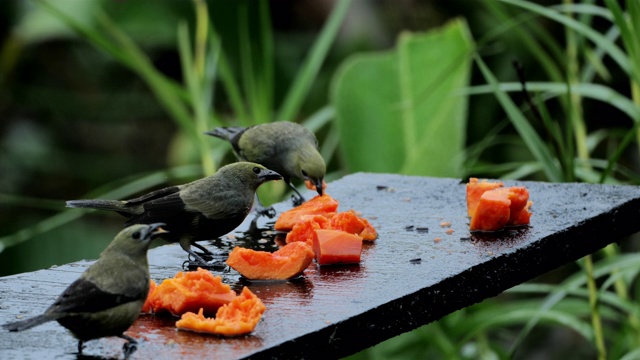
[[109, 295], [283, 146], [200, 210]]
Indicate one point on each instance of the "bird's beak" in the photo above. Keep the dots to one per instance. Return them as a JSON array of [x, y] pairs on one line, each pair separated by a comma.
[[154, 230], [211, 133], [267, 175], [319, 188]]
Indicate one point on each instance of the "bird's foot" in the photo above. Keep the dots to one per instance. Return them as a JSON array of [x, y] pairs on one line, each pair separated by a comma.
[[218, 265], [80, 347], [130, 346], [297, 200], [269, 212]]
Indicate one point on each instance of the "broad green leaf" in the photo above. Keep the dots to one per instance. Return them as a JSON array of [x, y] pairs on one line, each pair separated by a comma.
[[401, 111]]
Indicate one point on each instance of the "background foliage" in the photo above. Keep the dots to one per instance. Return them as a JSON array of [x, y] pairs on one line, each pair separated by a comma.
[[108, 98]]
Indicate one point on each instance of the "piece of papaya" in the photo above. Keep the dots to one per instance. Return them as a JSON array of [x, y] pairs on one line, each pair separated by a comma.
[[317, 206], [475, 189], [311, 186], [190, 291], [303, 230], [287, 262], [238, 317], [146, 308], [336, 247], [492, 212], [501, 207], [350, 222], [524, 217], [518, 197]]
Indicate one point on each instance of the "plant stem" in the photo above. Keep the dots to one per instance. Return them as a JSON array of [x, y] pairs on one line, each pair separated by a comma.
[[575, 100], [200, 104], [311, 65], [593, 304], [621, 290], [202, 29]]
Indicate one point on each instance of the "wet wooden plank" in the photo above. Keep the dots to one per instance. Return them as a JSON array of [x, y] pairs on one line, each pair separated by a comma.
[[405, 280]]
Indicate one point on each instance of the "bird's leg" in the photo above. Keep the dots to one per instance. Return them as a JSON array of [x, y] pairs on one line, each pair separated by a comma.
[[297, 201], [198, 259], [80, 347], [130, 346], [269, 212], [202, 248], [185, 244]]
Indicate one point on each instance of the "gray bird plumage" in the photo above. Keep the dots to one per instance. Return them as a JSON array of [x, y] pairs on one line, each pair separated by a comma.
[[200, 210], [109, 295], [285, 147]]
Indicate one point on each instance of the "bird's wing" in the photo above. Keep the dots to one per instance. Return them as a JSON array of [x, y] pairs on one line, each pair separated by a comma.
[[85, 296], [220, 205], [154, 195]]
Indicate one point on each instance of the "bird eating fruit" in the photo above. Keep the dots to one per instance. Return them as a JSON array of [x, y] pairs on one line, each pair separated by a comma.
[[285, 147]]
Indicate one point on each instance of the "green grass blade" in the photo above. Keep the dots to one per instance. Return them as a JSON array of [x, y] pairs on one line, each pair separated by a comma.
[[246, 63], [311, 65], [267, 63], [320, 118], [612, 49], [592, 91], [523, 32], [526, 131], [228, 81], [195, 83]]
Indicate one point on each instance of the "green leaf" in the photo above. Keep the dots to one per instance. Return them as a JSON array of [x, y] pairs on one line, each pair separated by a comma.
[[400, 111]]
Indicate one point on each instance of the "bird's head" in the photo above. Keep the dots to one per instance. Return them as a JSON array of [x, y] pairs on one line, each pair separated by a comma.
[[135, 239], [249, 173], [310, 167]]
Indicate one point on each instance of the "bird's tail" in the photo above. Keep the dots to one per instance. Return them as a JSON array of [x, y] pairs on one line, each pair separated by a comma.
[[226, 133], [28, 323], [111, 205]]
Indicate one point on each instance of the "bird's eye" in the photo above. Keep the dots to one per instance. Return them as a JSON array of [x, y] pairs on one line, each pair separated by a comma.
[[304, 173], [256, 170], [136, 235]]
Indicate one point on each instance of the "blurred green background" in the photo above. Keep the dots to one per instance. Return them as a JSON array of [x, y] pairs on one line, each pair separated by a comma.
[[106, 98]]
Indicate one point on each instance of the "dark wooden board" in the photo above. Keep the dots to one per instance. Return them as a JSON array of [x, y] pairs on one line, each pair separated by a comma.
[[406, 278]]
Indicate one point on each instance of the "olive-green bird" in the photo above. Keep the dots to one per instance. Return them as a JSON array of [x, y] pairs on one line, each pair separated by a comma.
[[200, 210], [109, 295], [285, 147]]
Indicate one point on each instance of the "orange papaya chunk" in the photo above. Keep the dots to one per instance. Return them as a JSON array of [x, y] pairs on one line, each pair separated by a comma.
[[190, 291], [492, 212], [518, 196], [146, 308], [303, 230], [317, 206], [238, 317], [350, 222], [336, 247], [524, 217], [475, 189], [288, 262]]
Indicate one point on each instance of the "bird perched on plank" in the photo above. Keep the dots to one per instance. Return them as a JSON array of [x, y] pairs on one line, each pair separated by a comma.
[[109, 295], [200, 210], [285, 147]]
